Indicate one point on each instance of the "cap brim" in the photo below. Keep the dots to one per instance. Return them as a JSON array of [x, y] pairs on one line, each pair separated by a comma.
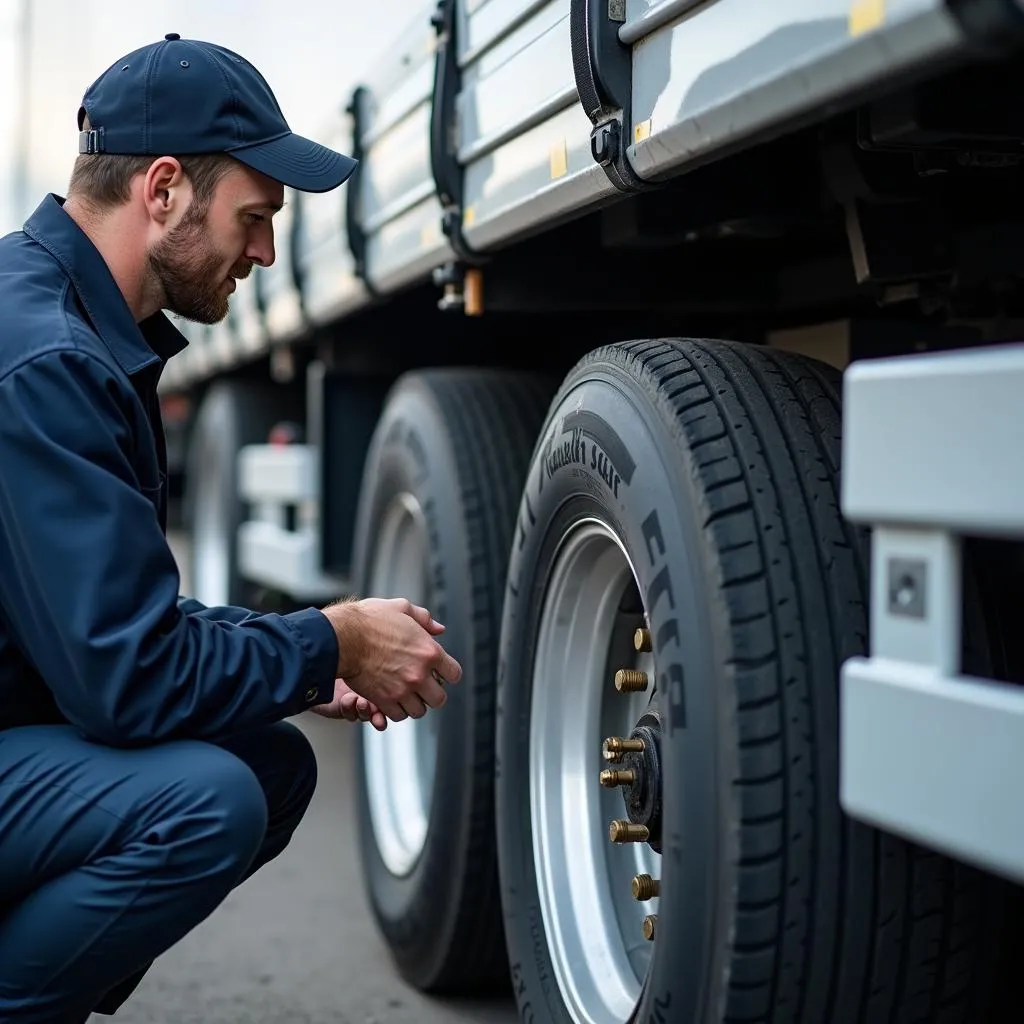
[[297, 162]]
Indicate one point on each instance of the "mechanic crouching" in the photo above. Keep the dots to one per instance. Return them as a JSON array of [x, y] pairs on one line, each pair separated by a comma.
[[145, 765]]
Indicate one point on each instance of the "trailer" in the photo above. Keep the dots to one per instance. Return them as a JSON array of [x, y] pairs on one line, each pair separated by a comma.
[[666, 350]]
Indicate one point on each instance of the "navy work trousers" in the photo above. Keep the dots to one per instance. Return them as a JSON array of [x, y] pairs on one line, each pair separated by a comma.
[[109, 856]]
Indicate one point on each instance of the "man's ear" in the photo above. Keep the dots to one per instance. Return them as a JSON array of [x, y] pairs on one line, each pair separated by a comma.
[[166, 190]]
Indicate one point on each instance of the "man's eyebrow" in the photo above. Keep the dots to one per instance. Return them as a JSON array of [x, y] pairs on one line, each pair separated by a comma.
[[267, 205]]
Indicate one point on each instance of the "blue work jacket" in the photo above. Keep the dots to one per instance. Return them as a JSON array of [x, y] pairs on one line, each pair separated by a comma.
[[93, 630]]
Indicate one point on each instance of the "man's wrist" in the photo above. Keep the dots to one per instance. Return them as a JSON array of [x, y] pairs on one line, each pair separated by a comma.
[[344, 617]]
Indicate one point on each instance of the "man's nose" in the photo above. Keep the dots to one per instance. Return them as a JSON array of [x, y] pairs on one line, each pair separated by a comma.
[[261, 252]]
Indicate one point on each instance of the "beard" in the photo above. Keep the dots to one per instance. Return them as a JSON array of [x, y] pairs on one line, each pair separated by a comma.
[[190, 271]]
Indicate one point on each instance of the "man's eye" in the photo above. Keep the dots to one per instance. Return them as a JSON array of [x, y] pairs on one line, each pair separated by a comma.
[[255, 218]]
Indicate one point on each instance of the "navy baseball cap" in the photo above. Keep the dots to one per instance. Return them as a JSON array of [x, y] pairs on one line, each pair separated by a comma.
[[180, 97]]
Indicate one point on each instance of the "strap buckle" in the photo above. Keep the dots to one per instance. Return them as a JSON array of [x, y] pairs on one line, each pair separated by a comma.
[[91, 141]]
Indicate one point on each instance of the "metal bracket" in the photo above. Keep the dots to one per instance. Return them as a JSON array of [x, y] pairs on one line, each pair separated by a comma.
[[603, 69], [444, 161], [353, 223]]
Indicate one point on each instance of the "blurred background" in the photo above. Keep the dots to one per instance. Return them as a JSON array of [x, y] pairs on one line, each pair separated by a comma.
[[51, 50]]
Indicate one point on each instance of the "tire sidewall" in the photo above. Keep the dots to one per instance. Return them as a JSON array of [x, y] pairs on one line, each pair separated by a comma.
[[634, 477], [410, 452]]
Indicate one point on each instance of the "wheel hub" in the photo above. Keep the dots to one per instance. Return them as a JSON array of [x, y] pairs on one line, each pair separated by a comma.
[[640, 778]]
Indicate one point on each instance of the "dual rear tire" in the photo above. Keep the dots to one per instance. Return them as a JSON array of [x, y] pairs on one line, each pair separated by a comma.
[[687, 490]]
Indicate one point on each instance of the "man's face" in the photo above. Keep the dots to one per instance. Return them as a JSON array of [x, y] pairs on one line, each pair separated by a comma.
[[199, 259]]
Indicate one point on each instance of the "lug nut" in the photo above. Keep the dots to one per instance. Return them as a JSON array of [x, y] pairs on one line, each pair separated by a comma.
[[627, 832], [610, 778], [645, 888], [614, 747], [628, 680], [642, 640], [650, 924]]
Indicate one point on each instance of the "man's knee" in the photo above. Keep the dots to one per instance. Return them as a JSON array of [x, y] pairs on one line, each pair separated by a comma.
[[298, 761], [219, 818]]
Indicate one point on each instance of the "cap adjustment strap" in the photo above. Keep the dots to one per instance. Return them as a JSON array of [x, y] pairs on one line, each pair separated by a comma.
[[91, 141]]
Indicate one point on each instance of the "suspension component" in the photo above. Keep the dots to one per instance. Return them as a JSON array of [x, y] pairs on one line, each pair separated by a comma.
[[646, 888], [628, 680], [610, 777], [627, 832]]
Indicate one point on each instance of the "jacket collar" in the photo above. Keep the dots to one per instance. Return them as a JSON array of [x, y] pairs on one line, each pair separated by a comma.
[[134, 345]]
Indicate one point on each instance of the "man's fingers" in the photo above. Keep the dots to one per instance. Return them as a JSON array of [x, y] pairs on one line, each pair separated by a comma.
[[378, 721], [432, 694], [447, 668], [414, 706], [425, 619], [395, 712]]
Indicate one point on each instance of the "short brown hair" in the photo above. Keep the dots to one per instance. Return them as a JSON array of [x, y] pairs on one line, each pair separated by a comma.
[[103, 180]]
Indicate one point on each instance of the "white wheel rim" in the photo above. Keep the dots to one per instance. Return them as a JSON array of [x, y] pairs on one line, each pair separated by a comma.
[[400, 764], [211, 540], [593, 925]]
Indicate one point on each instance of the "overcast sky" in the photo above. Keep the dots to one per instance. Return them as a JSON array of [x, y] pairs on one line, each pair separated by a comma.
[[312, 52]]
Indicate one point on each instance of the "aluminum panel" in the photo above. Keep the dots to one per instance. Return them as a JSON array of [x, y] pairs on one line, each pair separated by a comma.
[[935, 759], [503, 92], [936, 440], [732, 70], [407, 249], [482, 27], [325, 264], [397, 164], [545, 173]]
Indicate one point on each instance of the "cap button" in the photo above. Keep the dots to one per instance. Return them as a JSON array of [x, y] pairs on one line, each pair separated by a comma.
[[172, 35]]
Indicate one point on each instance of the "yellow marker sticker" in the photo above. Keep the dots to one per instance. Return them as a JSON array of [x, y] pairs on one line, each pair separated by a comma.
[[559, 159], [641, 131], [468, 216], [429, 234], [865, 16]]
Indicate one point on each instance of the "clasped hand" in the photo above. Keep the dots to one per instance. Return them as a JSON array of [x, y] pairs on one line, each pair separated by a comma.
[[390, 666]]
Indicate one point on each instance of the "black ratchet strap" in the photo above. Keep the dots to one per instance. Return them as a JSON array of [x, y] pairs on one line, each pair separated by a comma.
[[603, 69]]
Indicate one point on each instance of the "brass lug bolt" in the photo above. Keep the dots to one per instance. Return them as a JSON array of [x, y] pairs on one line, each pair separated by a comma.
[[627, 832], [614, 747], [642, 641], [628, 680], [645, 888], [650, 924], [610, 778]]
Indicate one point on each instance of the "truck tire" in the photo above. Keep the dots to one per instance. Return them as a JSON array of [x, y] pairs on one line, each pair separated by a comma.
[[691, 489], [442, 481], [232, 414]]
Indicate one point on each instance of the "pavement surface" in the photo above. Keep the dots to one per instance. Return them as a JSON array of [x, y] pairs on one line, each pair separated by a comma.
[[296, 943]]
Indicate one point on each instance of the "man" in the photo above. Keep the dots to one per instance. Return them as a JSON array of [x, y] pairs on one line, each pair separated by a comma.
[[145, 767]]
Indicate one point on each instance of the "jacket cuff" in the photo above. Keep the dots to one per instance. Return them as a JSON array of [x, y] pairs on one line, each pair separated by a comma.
[[319, 643]]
